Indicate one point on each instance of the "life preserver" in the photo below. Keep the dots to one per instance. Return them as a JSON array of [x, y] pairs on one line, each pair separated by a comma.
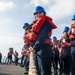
[[38, 24], [27, 40], [36, 27], [63, 39], [9, 53], [72, 35], [55, 45], [24, 52], [16, 54], [64, 43]]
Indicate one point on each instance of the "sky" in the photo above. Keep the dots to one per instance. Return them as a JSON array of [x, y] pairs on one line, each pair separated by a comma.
[[14, 13]]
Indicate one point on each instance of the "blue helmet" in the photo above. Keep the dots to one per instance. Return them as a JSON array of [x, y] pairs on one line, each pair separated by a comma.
[[54, 38], [73, 18], [25, 25], [39, 9], [66, 29]]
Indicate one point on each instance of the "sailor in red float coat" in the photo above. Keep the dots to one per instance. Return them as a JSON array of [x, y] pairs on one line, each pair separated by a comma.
[[55, 54], [42, 29], [65, 65], [72, 42], [9, 56], [0, 58], [16, 57]]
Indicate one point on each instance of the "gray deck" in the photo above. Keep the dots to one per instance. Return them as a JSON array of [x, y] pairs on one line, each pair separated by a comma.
[[11, 70]]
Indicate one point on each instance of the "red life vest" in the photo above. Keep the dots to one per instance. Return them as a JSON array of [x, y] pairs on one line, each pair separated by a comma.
[[36, 27], [63, 39], [55, 45], [9, 53], [0, 54], [24, 52], [72, 35], [27, 40], [16, 54], [64, 43]]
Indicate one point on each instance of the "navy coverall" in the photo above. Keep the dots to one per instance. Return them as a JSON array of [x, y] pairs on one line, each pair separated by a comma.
[[66, 58], [72, 42]]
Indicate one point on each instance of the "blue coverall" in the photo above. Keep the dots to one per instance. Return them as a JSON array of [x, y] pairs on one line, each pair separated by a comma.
[[43, 52]]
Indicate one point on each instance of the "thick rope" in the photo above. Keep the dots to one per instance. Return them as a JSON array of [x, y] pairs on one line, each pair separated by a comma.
[[32, 66]]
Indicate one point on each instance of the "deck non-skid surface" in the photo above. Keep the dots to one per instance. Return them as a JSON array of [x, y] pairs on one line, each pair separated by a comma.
[[11, 70]]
